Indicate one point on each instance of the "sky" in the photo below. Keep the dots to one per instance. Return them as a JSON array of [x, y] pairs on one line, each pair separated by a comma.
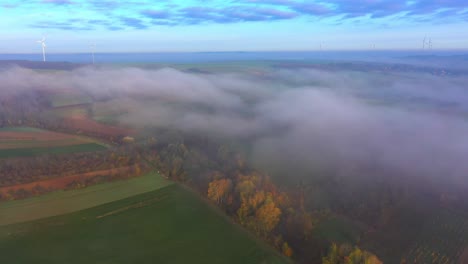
[[231, 25]]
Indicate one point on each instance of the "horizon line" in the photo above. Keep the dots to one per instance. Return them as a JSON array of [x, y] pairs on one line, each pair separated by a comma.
[[243, 51]]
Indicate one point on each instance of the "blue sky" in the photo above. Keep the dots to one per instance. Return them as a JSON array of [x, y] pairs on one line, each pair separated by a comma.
[[232, 25]]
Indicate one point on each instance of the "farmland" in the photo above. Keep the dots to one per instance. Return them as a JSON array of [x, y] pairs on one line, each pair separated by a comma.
[[62, 202], [68, 97], [426, 235], [78, 119], [443, 239], [26, 141], [26, 152], [154, 227]]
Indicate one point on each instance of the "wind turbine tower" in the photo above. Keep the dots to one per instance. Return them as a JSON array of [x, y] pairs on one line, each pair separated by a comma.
[[43, 45], [93, 47]]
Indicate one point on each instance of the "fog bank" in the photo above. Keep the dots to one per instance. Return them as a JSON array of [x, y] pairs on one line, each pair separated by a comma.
[[294, 121]]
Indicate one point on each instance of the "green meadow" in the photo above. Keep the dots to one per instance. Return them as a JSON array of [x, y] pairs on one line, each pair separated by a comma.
[[27, 152], [62, 202], [168, 225]]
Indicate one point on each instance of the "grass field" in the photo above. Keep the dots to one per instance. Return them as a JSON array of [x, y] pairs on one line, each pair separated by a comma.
[[62, 202], [169, 225], [27, 152], [108, 112], [27, 141], [338, 230], [71, 111], [69, 98]]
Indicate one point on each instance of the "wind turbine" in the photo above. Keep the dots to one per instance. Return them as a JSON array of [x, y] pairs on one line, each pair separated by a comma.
[[424, 43], [93, 47], [43, 45]]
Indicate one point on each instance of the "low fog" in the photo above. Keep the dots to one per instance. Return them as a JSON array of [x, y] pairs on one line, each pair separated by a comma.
[[294, 122]]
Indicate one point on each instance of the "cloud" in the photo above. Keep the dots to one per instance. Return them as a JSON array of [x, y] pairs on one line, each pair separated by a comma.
[[133, 22], [240, 11], [156, 14], [58, 2], [312, 9], [296, 123], [197, 15], [362, 8], [107, 5], [65, 25]]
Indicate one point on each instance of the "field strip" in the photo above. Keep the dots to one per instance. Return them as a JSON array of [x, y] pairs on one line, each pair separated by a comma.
[[133, 206], [63, 202], [61, 182]]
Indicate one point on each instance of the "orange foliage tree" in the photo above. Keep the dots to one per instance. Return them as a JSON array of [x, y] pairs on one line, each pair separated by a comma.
[[219, 190]]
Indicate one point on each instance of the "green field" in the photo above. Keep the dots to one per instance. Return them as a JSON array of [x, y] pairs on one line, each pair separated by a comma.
[[70, 111], [37, 144], [66, 99], [62, 202], [169, 225], [338, 230], [27, 152]]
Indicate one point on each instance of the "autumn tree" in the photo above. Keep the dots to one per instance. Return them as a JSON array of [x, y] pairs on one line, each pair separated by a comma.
[[267, 216], [345, 254], [219, 190], [333, 256], [286, 249]]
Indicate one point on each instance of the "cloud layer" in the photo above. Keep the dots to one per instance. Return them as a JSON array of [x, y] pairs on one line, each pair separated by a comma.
[[143, 14], [295, 123]]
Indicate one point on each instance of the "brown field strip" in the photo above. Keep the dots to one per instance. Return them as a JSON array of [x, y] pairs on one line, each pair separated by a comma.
[[91, 126], [61, 182]]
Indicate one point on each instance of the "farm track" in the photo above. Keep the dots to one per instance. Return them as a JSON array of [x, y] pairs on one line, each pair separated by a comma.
[[133, 206]]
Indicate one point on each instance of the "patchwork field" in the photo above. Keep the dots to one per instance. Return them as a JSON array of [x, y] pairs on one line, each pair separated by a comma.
[[91, 126], [68, 97], [429, 235], [169, 225], [443, 239], [62, 202], [26, 141], [73, 111], [60, 183]]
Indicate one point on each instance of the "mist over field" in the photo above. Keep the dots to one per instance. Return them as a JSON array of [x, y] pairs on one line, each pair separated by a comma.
[[294, 121]]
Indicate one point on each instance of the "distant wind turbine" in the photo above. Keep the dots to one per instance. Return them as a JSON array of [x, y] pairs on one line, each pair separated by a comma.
[[93, 47], [43, 45], [424, 43]]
